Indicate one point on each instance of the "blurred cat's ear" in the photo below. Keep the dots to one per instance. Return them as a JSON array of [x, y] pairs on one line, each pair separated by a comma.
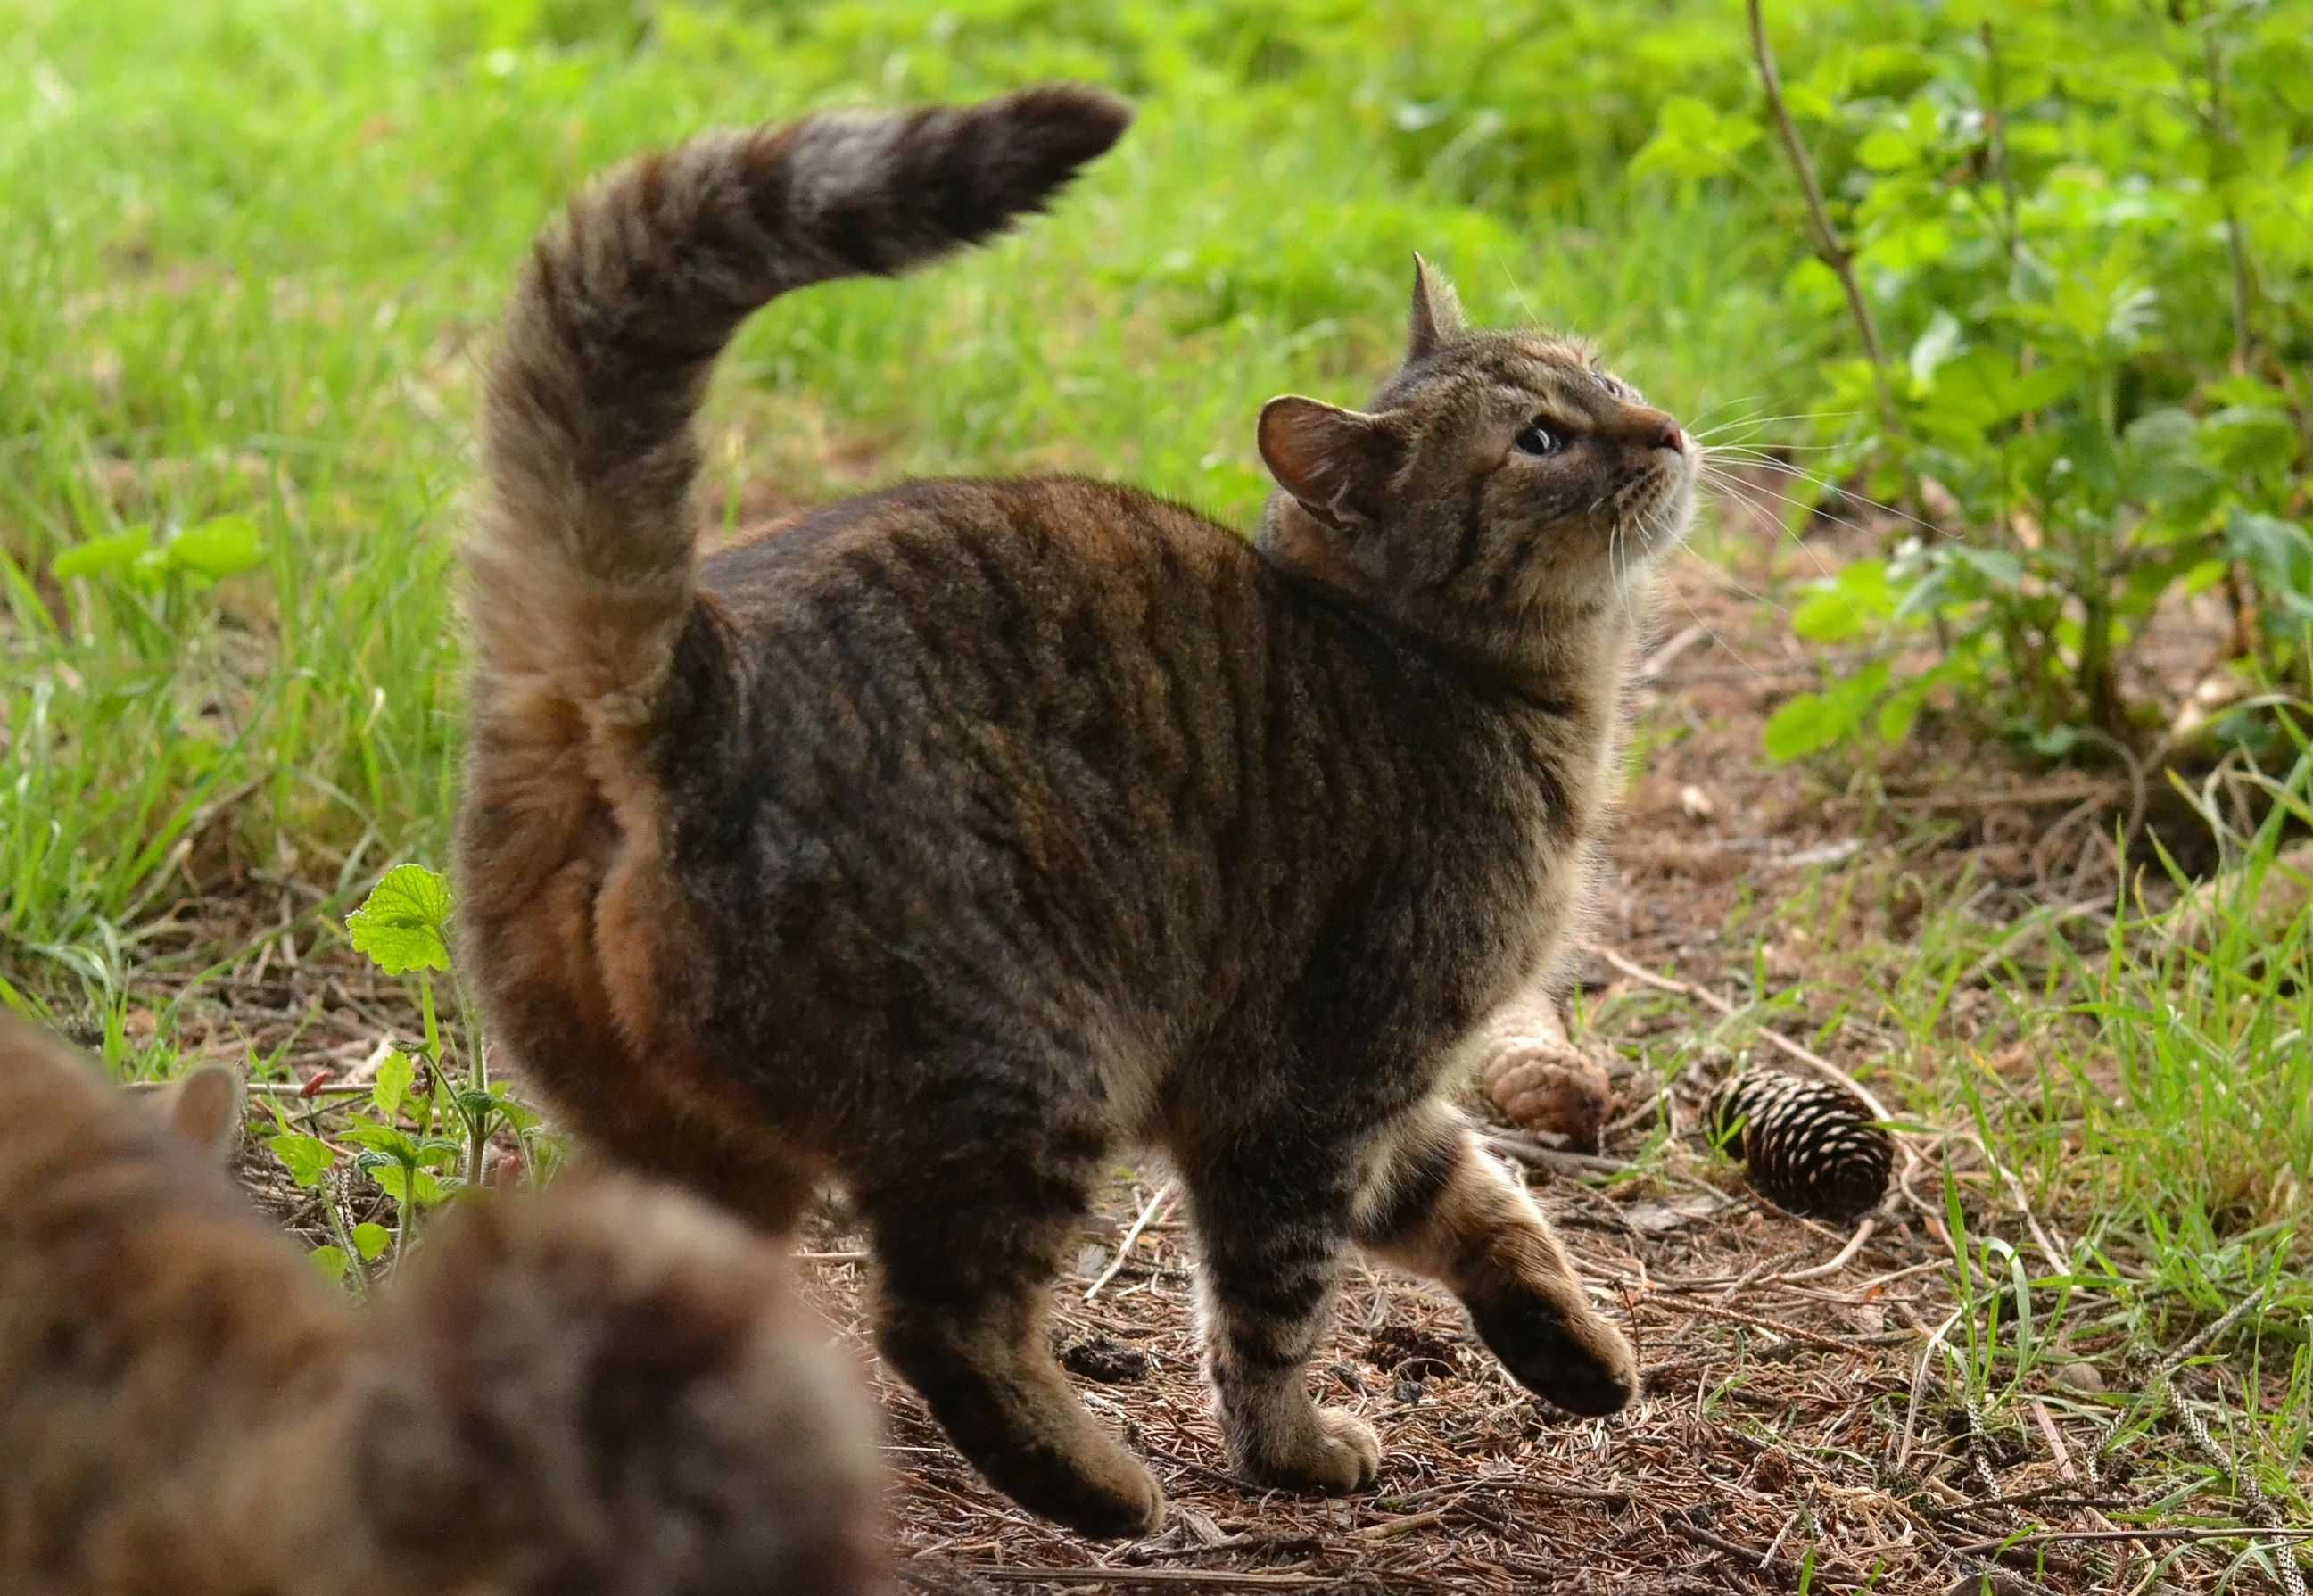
[[204, 1105], [1334, 462], [1436, 318]]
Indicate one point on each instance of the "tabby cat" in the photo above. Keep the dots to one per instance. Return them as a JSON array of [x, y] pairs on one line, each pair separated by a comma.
[[608, 1390], [945, 840]]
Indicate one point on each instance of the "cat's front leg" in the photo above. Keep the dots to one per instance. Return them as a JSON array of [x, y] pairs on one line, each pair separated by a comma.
[[1436, 1203], [1270, 1239]]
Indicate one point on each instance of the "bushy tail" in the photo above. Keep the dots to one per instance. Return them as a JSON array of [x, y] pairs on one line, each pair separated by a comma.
[[581, 571]]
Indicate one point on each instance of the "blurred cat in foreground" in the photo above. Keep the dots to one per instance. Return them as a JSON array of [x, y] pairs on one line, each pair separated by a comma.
[[607, 1389]]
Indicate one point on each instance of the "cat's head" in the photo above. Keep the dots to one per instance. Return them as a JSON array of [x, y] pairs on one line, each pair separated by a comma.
[[1498, 478]]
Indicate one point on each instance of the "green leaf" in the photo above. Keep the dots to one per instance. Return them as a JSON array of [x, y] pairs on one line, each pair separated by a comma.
[[1814, 722], [1972, 393], [114, 551], [1897, 714], [475, 1105], [1846, 605], [331, 1262], [1998, 568], [1694, 139], [306, 1158], [1825, 615], [1910, 248], [2279, 553], [1887, 149], [1937, 344], [371, 1240], [1806, 725], [400, 925], [1807, 102], [220, 546], [518, 1114], [1684, 117], [390, 1140], [405, 1185], [2251, 439], [395, 1071]]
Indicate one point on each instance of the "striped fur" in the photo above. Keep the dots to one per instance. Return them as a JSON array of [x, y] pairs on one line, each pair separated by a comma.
[[608, 1390], [946, 839]]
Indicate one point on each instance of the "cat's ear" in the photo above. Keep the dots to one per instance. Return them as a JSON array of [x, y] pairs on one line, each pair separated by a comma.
[[1334, 462], [1436, 318], [203, 1105]]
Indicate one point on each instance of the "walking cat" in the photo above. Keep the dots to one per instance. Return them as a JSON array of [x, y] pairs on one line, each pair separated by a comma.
[[947, 839], [608, 1388]]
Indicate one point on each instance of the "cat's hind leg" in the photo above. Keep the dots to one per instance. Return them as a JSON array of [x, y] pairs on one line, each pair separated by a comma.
[[966, 1251], [1434, 1203], [1272, 1218]]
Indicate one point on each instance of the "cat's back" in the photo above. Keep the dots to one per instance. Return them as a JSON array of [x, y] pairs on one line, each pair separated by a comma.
[[1082, 656], [954, 546]]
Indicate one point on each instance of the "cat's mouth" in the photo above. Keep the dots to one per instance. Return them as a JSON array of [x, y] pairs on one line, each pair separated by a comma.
[[1648, 515]]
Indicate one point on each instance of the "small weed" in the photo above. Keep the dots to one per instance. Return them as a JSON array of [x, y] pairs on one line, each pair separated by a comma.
[[420, 1138]]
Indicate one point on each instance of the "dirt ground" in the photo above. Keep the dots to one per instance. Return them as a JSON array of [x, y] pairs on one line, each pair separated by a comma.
[[1786, 1439]]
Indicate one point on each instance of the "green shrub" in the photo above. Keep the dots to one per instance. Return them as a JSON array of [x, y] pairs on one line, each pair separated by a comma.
[[2081, 240]]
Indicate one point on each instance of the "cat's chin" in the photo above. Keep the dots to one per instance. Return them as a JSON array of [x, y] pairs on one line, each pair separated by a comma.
[[1661, 526]]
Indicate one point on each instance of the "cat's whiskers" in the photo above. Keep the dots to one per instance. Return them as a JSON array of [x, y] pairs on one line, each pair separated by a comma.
[[1709, 630], [1720, 575], [1768, 422], [1728, 485], [1870, 503], [1710, 411], [1772, 454]]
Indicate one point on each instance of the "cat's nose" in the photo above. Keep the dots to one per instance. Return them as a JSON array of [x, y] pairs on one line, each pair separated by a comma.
[[1652, 429]]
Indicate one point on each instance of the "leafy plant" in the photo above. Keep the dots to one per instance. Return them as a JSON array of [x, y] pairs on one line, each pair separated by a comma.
[[419, 1135], [2084, 230], [220, 546]]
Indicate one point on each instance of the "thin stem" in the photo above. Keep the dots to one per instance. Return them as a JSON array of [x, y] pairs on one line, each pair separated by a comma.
[[1826, 241], [2236, 244], [1995, 125]]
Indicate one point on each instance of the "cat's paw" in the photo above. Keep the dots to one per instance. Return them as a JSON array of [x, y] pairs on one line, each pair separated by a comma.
[[1574, 1359], [1335, 1452], [1106, 1494]]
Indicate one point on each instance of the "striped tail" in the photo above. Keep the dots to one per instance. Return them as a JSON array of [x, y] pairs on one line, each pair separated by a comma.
[[581, 571]]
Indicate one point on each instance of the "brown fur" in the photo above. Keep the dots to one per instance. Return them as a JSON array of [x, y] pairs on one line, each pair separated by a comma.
[[607, 1389], [957, 834]]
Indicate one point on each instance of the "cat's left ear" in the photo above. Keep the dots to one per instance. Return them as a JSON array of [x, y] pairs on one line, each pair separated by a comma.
[[1436, 318], [1334, 462], [204, 1107]]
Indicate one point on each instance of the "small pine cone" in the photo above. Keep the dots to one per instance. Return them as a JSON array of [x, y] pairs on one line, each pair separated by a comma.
[[1809, 1145], [1540, 1080]]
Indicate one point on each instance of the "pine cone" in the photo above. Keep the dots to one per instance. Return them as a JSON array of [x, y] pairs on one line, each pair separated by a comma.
[[1809, 1145], [1539, 1080]]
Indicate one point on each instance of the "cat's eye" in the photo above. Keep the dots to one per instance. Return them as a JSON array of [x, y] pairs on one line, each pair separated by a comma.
[[1538, 440]]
